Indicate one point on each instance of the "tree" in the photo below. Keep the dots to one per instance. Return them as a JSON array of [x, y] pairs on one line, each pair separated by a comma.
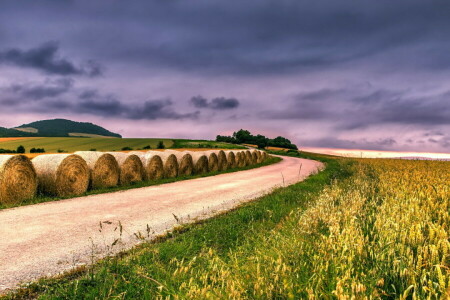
[[161, 145], [20, 149]]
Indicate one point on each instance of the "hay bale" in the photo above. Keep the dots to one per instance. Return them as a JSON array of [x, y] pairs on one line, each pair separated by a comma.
[[170, 163], [104, 168], [240, 159], [185, 162], [213, 161], [231, 159], [200, 161], [248, 158], [131, 168], [18, 180], [62, 175], [254, 157], [222, 160], [259, 156], [153, 165]]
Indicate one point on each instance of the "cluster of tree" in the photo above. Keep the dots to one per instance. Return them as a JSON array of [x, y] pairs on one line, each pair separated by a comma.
[[245, 137], [20, 149], [37, 150]]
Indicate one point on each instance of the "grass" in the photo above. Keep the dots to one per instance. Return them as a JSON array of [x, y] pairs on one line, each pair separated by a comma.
[[42, 198], [152, 270], [72, 144]]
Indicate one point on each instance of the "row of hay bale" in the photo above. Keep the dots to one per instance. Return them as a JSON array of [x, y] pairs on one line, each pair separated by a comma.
[[64, 175]]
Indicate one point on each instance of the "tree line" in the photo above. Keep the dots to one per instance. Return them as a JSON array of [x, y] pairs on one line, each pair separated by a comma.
[[245, 137]]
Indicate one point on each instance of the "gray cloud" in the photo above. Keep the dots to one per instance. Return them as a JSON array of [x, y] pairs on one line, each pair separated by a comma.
[[49, 89], [220, 103], [352, 109], [45, 58]]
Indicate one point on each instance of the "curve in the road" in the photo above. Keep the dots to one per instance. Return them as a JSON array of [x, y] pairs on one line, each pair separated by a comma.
[[49, 238]]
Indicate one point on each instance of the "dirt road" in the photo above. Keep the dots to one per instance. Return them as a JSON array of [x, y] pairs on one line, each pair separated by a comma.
[[49, 238]]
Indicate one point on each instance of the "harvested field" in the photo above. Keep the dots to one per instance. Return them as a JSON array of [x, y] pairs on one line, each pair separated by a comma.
[[61, 175], [105, 171], [18, 180]]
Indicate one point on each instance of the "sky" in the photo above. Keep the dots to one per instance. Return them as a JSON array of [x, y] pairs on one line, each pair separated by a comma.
[[338, 74]]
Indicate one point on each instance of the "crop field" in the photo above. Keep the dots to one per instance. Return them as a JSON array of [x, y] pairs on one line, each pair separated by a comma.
[[361, 229], [72, 144]]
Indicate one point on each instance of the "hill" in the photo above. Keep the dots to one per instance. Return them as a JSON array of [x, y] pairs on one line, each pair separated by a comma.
[[57, 128]]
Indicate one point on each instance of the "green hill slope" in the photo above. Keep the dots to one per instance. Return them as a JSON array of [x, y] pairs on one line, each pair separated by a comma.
[[57, 128]]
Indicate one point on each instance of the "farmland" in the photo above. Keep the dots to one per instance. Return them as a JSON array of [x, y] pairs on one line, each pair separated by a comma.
[[360, 229], [72, 144]]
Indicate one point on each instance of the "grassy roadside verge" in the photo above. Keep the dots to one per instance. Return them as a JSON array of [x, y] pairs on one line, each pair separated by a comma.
[[147, 271], [41, 199]]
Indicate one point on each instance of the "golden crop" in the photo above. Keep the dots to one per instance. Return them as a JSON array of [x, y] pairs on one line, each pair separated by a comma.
[[382, 233]]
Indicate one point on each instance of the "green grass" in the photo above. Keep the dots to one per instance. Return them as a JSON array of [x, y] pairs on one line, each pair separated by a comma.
[[148, 271], [72, 144], [42, 198]]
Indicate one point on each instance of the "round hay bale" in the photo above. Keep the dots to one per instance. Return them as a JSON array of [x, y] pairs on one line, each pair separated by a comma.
[[131, 168], [254, 157], [104, 168], [185, 162], [231, 159], [222, 160], [18, 180], [62, 175], [240, 159], [259, 156], [200, 161], [152, 164], [248, 158], [213, 161], [170, 163]]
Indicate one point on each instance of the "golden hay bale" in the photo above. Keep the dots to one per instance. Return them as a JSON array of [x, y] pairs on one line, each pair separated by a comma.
[[222, 160], [170, 163], [104, 168], [254, 157], [200, 161], [248, 158], [131, 168], [18, 180], [213, 161], [231, 159], [259, 156], [61, 175], [153, 165], [185, 162], [240, 158]]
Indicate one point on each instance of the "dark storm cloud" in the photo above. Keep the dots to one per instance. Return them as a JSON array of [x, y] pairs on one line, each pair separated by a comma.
[[45, 58], [91, 102], [48, 89], [257, 37], [220, 103]]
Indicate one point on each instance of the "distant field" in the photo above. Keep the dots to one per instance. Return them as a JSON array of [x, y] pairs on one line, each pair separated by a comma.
[[72, 144]]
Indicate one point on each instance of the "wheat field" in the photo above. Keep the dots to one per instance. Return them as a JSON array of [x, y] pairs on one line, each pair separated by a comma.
[[382, 233]]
